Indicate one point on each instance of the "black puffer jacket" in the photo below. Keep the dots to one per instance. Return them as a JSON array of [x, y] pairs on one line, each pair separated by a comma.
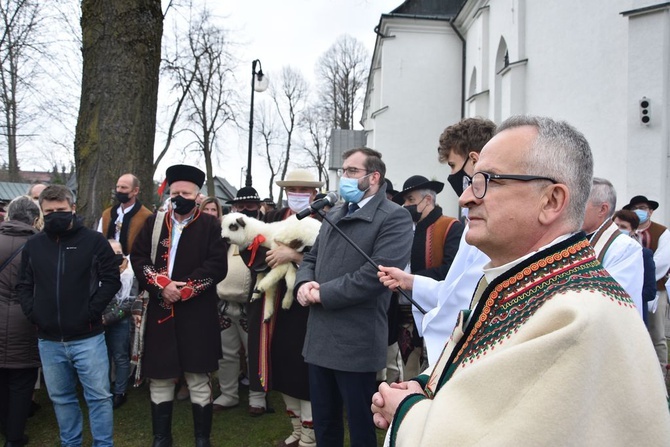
[[18, 337], [66, 283]]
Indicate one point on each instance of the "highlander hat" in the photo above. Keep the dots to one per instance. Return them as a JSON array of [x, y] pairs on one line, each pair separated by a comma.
[[246, 194], [417, 182], [641, 199], [185, 173], [300, 178]]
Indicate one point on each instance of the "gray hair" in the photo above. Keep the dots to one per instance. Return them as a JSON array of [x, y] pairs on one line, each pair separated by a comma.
[[428, 192], [23, 209], [603, 191], [562, 153]]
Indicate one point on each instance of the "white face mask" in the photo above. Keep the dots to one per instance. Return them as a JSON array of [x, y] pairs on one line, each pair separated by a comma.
[[298, 201]]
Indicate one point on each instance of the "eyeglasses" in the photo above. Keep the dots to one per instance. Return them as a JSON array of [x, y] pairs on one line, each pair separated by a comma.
[[480, 181], [351, 172]]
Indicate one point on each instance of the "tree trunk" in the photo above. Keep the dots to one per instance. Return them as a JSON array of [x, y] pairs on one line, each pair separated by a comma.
[[117, 116]]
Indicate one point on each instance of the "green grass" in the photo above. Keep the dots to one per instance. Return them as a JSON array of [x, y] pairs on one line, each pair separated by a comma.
[[132, 423]]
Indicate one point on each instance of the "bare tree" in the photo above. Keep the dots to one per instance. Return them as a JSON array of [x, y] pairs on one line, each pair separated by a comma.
[[211, 95], [342, 72], [18, 49], [121, 50], [289, 98], [267, 130], [317, 128]]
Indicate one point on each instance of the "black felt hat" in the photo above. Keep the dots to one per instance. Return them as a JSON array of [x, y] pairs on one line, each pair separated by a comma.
[[389, 188], [185, 173], [417, 182], [246, 194], [641, 199]]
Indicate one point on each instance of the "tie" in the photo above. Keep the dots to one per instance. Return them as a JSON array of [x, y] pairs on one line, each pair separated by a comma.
[[352, 208]]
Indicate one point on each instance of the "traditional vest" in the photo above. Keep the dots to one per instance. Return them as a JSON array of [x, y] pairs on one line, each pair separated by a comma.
[[654, 234], [603, 238], [130, 227], [429, 238]]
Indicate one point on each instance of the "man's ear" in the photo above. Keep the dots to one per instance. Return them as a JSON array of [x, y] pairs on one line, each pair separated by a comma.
[[474, 157], [554, 203]]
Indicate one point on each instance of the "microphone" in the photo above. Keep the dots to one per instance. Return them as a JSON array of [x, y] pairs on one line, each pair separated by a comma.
[[330, 200]]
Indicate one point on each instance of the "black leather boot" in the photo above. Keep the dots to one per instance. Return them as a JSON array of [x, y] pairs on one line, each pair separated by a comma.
[[161, 419], [202, 424]]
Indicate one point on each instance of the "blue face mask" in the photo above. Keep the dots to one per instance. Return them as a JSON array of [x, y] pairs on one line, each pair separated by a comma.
[[626, 232], [643, 215], [349, 189]]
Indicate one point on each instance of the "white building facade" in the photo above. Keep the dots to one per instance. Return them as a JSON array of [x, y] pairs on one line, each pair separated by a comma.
[[589, 63]]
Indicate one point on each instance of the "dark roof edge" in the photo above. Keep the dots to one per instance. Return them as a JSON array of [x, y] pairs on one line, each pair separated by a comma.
[[646, 9]]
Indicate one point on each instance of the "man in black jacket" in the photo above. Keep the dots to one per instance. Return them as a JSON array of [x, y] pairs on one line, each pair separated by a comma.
[[68, 276]]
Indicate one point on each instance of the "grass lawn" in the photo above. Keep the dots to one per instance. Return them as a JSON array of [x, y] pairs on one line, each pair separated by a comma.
[[132, 424]]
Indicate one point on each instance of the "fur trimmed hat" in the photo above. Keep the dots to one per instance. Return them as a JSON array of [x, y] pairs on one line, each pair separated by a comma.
[[185, 173]]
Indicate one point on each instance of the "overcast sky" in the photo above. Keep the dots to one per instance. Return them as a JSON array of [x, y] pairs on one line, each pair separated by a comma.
[[280, 33], [298, 32]]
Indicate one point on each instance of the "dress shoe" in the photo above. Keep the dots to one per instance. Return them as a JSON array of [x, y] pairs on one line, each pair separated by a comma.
[[118, 400], [217, 407], [256, 411]]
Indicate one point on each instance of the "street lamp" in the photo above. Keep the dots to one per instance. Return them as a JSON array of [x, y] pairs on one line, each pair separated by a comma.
[[261, 86]]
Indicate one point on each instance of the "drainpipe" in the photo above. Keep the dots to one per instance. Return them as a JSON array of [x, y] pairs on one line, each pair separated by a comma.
[[460, 36]]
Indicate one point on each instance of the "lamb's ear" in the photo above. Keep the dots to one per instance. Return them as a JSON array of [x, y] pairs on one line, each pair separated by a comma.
[[240, 220]]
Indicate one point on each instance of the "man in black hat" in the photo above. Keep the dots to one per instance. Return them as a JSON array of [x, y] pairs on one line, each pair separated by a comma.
[[436, 239], [179, 257], [234, 292], [656, 237]]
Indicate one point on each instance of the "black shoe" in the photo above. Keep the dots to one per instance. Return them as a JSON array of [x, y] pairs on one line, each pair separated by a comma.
[[118, 400], [20, 443]]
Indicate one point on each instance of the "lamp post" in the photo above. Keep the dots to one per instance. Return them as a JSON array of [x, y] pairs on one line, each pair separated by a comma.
[[261, 86]]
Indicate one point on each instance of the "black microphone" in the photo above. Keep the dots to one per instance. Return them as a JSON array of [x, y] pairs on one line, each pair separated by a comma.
[[330, 200]]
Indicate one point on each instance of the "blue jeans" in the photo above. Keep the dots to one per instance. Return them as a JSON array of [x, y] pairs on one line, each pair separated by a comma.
[[62, 363], [117, 336]]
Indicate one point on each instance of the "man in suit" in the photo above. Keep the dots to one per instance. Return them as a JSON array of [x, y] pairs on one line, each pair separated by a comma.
[[347, 327]]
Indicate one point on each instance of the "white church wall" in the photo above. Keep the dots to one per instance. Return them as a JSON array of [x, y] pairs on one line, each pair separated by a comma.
[[418, 93]]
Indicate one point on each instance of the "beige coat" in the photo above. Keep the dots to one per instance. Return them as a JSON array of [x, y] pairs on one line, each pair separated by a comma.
[[574, 367]]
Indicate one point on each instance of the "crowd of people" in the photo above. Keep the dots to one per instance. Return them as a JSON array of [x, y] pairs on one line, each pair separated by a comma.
[[520, 321]]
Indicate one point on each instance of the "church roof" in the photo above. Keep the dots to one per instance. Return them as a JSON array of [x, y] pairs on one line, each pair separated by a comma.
[[439, 8]]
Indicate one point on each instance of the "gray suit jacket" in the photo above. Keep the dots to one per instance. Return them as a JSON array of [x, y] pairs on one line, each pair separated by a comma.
[[348, 331]]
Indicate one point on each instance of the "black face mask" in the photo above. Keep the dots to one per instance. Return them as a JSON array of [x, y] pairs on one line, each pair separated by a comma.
[[250, 213], [414, 212], [181, 205], [119, 258], [456, 180], [122, 197], [58, 222]]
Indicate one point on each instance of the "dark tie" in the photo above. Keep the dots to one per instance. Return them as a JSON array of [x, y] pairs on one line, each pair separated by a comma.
[[352, 208]]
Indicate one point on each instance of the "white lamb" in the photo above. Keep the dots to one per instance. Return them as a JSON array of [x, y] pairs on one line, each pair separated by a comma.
[[297, 234]]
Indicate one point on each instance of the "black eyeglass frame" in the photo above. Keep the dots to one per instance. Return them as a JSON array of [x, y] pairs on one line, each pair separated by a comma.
[[488, 177]]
